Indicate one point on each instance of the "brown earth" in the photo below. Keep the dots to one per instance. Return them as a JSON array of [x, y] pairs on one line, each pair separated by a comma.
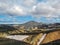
[[52, 36]]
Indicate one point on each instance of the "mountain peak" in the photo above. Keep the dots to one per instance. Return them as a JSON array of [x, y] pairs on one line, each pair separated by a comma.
[[32, 22]]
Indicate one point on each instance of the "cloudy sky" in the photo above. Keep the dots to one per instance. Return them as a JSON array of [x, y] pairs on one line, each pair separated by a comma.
[[21, 11]]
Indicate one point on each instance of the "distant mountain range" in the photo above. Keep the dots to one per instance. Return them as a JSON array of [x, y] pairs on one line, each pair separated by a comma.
[[27, 25], [39, 25]]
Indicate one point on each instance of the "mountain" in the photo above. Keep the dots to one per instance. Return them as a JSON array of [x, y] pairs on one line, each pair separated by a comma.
[[30, 24], [52, 38], [5, 41], [54, 25], [6, 27], [27, 26], [33, 24]]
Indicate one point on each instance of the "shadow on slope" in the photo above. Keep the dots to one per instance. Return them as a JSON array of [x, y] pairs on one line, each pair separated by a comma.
[[56, 42], [5, 28], [5, 41]]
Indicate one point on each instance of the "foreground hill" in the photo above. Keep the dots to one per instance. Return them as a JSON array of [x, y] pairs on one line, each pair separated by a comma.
[[5, 41], [52, 38], [55, 42]]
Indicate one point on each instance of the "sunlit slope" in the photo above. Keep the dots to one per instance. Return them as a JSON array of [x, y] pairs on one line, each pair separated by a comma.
[[16, 31], [3, 34], [52, 36], [55, 42], [33, 39]]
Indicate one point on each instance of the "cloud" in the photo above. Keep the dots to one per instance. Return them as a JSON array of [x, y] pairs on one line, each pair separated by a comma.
[[35, 8], [42, 9], [48, 9], [16, 10], [16, 7], [29, 2]]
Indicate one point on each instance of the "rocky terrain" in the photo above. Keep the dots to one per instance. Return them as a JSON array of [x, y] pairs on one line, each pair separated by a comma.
[[52, 38], [36, 30]]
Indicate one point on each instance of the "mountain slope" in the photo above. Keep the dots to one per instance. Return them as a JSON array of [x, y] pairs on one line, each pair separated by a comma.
[[52, 36], [7, 27], [30, 24], [5, 41]]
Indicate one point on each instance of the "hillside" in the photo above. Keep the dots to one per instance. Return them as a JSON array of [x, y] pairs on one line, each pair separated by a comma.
[[5, 28], [30, 24], [50, 38], [55, 42], [27, 26], [5, 41]]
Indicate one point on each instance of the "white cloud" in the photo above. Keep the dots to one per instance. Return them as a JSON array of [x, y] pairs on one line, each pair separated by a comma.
[[48, 9], [3, 7], [45, 8], [16, 7], [16, 10], [42, 9], [29, 2]]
